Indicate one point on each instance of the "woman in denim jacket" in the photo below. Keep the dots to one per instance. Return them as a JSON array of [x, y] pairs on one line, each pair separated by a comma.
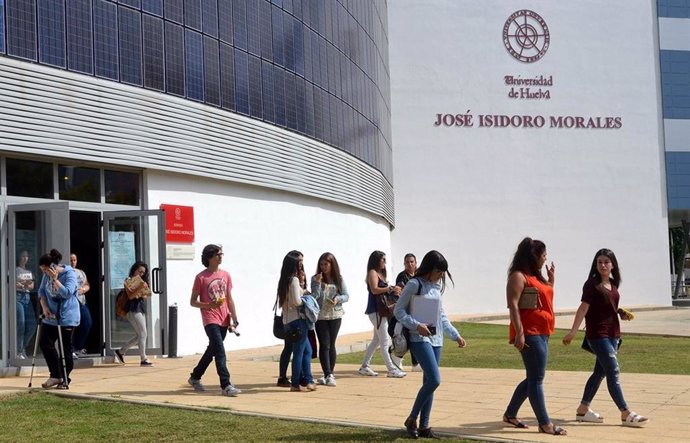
[[426, 340], [330, 291]]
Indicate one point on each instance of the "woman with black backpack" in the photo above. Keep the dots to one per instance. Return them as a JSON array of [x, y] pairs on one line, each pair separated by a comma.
[[426, 334]]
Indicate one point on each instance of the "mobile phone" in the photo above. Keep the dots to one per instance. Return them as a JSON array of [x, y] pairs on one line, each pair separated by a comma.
[[432, 329]]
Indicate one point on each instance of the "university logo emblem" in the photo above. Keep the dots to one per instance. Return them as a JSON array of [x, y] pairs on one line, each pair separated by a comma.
[[526, 36]]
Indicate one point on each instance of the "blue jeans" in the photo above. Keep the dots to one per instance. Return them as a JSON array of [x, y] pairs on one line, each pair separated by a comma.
[[606, 365], [81, 333], [429, 358], [215, 349], [26, 320], [301, 354], [534, 358]]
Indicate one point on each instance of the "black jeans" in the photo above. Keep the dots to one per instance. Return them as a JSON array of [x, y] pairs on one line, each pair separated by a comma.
[[327, 332], [216, 335], [49, 335]]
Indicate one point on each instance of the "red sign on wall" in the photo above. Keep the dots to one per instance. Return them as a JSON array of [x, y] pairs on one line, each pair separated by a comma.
[[179, 223]]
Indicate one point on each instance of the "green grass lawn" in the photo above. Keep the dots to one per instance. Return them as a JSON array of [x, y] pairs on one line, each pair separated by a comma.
[[487, 347], [42, 417]]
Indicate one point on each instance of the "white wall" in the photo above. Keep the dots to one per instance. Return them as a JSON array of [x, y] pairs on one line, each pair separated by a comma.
[[257, 228], [474, 193]]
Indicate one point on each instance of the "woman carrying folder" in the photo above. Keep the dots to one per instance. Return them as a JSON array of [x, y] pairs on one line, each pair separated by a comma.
[[420, 310], [530, 329]]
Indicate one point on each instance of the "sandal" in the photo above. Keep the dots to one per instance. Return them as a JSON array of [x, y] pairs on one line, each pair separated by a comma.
[[589, 417], [634, 420], [555, 430], [514, 421]]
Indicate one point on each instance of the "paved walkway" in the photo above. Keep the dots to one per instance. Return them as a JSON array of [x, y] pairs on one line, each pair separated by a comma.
[[469, 403]]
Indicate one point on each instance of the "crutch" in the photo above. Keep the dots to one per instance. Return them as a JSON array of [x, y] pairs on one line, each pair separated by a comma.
[[33, 359], [61, 351]]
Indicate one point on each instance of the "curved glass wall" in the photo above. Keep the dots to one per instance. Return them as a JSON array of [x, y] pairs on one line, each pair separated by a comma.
[[315, 67]]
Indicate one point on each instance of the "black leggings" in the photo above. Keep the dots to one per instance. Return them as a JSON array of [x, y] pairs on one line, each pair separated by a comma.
[[47, 341], [327, 332]]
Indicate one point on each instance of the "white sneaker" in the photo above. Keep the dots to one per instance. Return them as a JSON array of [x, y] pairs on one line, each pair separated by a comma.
[[417, 368], [321, 381], [398, 362], [330, 380], [51, 382], [366, 370], [231, 391], [396, 373]]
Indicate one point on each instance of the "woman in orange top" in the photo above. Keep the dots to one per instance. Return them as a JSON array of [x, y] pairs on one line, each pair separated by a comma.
[[530, 330]]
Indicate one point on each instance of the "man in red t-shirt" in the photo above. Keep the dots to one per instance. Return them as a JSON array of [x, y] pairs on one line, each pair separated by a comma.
[[212, 293]]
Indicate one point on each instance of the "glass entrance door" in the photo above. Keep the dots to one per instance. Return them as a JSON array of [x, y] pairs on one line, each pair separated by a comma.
[[129, 237], [33, 230]]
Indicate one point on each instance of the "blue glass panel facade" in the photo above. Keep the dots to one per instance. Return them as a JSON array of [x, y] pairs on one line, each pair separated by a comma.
[[314, 67], [51, 35], [153, 53], [105, 39], [194, 65], [79, 36], [21, 28]]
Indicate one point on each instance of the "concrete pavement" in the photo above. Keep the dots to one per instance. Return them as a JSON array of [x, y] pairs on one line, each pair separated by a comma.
[[469, 403]]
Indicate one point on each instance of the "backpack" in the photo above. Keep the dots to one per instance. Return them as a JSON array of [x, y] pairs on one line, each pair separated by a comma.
[[120, 303], [400, 335]]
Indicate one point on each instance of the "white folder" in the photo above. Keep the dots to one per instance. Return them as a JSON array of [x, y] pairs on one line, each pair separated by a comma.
[[426, 310]]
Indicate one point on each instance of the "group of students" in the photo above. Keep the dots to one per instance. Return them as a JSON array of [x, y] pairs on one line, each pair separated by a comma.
[[322, 310]]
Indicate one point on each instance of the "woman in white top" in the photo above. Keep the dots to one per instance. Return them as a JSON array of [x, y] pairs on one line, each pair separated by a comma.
[[290, 300], [26, 316]]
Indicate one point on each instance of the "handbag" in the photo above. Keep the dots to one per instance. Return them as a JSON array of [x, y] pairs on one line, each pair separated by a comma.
[[278, 326], [293, 335], [385, 304], [529, 298]]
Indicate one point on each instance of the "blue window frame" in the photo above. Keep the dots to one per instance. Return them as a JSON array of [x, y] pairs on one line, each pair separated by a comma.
[[154, 64], [225, 31], [239, 23], [194, 65], [174, 59], [129, 24], [174, 10], [192, 14], [242, 81], [105, 39], [154, 7], [253, 30], [211, 71], [267, 91], [255, 101], [265, 30], [79, 36], [51, 33], [227, 77], [21, 28], [209, 17]]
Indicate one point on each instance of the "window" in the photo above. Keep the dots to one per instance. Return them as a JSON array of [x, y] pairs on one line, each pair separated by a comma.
[[288, 42], [51, 32], [154, 7], [130, 45], [241, 81], [255, 103], [211, 71], [2, 28], [133, 3], [194, 65], [227, 77], [278, 45], [192, 14], [239, 21], [105, 39], [153, 53], [174, 59], [209, 17], [267, 91], [279, 95], [253, 30], [300, 90], [21, 28], [79, 36], [121, 187], [265, 29], [26, 178], [81, 184], [225, 20], [290, 100], [174, 10], [298, 46]]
